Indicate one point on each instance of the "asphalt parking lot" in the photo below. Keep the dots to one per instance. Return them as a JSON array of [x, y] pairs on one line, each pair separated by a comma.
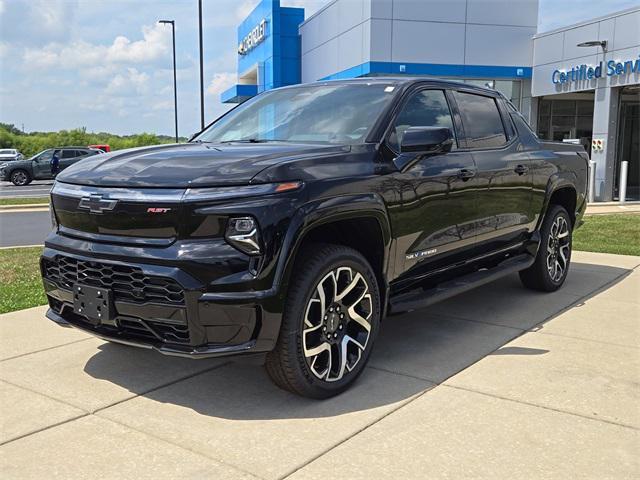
[[499, 383], [37, 188]]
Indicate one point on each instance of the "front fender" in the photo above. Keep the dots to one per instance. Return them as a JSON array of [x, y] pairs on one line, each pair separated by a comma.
[[327, 210]]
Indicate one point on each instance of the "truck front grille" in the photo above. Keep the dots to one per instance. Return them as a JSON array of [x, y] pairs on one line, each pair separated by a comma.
[[127, 283]]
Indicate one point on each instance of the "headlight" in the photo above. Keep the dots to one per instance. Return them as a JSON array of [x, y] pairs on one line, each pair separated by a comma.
[[243, 191], [243, 233]]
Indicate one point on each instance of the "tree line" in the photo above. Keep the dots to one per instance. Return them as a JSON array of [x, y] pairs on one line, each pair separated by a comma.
[[34, 142]]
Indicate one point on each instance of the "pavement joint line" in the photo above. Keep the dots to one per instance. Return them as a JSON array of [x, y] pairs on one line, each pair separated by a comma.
[[46, 395], [48, 427], [94, 412], [535, 405], [159, 387], [408, 375], [45, 349], [355, 434], [483, 322], [183, 447], [590, 340]]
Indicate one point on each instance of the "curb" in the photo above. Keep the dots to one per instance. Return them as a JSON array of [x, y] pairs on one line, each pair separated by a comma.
[[21, 246], [25, 206]]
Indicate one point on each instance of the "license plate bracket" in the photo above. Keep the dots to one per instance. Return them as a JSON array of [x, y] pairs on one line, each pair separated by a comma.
[[94, 303]]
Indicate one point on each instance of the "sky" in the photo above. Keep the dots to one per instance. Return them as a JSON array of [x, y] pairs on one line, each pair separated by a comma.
[[106, 64]]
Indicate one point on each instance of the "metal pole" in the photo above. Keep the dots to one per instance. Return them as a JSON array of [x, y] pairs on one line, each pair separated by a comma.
[[175, 82], [622, 189], [201, 67], [592, 181]]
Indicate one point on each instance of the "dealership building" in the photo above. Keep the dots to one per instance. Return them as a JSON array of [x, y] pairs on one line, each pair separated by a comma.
[[579, 83]]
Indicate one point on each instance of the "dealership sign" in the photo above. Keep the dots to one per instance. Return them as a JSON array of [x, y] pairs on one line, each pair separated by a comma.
[[254, 38], [588, 72]]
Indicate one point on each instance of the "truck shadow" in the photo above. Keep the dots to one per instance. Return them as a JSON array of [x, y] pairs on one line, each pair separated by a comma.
[[413, 353]]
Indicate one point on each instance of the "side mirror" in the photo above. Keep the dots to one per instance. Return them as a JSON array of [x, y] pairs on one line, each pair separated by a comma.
[[427, 140], [420, 141]]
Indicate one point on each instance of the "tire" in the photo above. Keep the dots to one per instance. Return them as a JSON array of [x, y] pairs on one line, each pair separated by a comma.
[[323, 347], [551, 267], [20, 178]]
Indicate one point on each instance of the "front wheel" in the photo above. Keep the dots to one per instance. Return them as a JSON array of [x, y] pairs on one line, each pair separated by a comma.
[[550, 269], [20, 178], [331, 319]]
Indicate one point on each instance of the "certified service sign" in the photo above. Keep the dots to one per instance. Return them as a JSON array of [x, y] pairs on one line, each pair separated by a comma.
[[254, 38], [588, 72]]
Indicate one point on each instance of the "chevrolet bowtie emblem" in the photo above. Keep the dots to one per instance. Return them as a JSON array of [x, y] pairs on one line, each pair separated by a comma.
[[97, 204]]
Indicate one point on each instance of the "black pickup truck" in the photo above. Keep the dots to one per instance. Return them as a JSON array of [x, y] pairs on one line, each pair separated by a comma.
[[294, 224]]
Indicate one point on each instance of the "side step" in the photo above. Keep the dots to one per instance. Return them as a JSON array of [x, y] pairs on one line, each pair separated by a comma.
[[420, 298]]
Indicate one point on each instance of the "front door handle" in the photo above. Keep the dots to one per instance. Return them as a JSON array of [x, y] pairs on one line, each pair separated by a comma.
[[521, 169], [466, 173]]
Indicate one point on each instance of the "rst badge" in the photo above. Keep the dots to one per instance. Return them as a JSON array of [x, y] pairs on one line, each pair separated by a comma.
[[158, 210]]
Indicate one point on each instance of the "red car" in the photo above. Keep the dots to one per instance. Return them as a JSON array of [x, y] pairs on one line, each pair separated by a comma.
[[105, 148]]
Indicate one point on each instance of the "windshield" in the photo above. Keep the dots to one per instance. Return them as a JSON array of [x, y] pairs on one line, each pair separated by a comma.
[[342, 114]]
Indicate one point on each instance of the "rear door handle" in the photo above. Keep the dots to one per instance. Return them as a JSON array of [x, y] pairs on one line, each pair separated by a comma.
[[466, 173], [521, 169]]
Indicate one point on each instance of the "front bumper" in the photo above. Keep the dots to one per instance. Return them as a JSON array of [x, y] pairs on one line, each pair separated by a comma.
[[161, 306]]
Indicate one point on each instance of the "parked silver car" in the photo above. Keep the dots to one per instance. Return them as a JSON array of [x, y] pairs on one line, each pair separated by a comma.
[[10, 154]]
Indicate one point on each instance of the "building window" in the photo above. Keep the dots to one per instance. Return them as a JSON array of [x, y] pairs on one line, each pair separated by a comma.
[[566, 119]]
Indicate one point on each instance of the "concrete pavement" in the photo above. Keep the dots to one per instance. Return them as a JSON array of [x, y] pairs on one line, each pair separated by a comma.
[[498, 383]]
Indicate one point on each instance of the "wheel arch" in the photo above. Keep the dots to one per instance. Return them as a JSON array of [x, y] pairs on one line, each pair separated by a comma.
[[561, 190], [356, 221]]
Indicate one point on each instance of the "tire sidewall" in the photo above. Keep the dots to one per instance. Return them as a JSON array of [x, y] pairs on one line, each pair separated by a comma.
[[554, 213], [27, 178], [295, 318]]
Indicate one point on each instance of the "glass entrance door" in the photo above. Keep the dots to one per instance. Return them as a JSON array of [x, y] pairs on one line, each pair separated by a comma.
[[629, 144]]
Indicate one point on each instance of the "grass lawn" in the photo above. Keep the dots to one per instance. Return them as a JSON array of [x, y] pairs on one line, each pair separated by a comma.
[[24, 201], [20, 284], [609, 234]]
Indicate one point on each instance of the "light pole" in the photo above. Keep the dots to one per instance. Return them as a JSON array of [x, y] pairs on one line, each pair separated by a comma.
[[175, 84], [201, 66]]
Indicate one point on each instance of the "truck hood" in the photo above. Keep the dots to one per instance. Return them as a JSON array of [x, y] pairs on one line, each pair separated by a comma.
[[188, 165]]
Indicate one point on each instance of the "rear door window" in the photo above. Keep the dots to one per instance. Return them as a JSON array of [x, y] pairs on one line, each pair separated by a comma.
[[69, 154], [483, 127]]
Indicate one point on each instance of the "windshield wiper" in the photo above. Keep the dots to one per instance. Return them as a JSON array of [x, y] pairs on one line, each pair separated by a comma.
[[252, 140]]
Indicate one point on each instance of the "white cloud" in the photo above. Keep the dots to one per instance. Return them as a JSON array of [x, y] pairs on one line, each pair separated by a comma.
[[220, 82], [153, 46], [129, 83], [37, 21]]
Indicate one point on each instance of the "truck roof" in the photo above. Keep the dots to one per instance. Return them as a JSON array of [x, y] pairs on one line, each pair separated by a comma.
[[404, 81]]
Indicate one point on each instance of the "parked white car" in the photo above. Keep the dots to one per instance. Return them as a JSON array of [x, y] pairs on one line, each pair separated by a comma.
[[10, 154]]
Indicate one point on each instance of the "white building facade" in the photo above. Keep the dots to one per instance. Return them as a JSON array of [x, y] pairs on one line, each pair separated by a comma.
[[586, 84], [568, 91], [485, 42]]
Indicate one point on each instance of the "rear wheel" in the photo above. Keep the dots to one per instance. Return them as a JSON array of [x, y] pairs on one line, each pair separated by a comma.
[[330, 322], [20, 178], [550, 269]]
